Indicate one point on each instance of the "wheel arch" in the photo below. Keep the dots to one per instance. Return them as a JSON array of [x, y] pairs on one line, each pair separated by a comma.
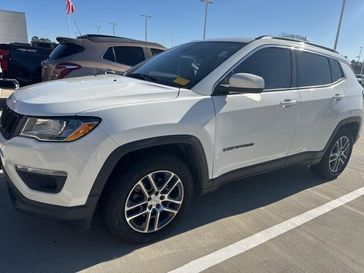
[[186, 146], [352, 123]]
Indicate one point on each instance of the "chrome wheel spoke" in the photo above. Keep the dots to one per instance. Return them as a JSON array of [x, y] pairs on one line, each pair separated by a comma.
[[135, 206], [136, 215], [166, 184], [335, 165], [156, 221], [345, 147], [152, 182], [172, 201], [170, 210], [332, 160], [141, 185], [340, 144], [148, 221], [337, 146], [342, 161], [173, 187]]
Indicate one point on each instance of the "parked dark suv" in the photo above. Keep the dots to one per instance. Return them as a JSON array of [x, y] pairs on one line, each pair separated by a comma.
[[96, 54]]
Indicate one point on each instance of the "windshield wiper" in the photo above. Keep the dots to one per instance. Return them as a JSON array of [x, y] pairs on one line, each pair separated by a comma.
[[142, 76]]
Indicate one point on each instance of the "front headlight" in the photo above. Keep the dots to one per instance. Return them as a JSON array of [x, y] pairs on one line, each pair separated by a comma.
[[58, 129]]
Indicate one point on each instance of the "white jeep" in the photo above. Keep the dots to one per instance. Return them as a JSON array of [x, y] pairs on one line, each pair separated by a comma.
[[187, 121]]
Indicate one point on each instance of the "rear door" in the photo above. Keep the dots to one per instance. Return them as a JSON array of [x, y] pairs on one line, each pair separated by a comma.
[[322, 100], [257, 128]]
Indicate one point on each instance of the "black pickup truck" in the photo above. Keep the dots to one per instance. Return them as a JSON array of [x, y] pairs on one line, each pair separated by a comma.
[[22, 62]]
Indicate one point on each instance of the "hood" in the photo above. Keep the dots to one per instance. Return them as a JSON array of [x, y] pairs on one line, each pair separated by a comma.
[[76, 95]]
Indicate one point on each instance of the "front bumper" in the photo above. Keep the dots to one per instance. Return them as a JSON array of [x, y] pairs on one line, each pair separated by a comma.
[[80, 215], [80, 160]]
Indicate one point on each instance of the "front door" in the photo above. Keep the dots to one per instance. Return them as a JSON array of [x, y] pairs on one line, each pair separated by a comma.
[[257, 128]]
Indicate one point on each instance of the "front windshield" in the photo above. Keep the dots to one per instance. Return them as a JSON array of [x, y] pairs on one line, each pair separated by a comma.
[[185, 65]]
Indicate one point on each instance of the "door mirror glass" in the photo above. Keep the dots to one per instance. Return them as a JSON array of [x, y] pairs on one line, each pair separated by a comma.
[[245, 83]]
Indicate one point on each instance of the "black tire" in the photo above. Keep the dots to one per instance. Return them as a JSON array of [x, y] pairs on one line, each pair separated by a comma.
[[323, 169], [113, 207]]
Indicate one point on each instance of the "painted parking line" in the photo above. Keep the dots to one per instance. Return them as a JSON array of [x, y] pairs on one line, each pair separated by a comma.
[[259, 238]]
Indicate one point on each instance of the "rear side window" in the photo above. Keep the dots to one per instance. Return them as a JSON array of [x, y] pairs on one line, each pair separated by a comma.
[[156, 51], [272, 64], [109, 55], [336, 71], [65, 50], [129, 55], [312, 69]]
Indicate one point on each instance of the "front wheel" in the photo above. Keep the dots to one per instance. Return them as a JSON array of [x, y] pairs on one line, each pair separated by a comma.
[[146, 200], [336, 157]]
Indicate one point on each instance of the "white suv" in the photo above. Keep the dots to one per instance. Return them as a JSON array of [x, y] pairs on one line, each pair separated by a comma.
[[187, 121]]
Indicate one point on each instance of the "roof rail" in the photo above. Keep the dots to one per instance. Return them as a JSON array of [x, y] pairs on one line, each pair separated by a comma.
[[295, 40]]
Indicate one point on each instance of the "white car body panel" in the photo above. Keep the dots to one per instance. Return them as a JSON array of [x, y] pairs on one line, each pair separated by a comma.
[[257, 120], [319, 114], [76, 95]]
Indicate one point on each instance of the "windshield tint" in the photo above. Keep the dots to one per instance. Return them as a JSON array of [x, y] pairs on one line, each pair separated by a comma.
[[185, 65]]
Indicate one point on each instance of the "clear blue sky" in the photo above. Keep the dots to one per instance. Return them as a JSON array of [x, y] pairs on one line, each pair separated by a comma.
[[182, 21]]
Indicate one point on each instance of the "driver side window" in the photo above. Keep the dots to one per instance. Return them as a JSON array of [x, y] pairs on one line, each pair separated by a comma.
[[273, 64]]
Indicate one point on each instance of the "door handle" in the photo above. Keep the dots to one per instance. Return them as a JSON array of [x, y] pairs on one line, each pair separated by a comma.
[[288, 103], [338, 97]]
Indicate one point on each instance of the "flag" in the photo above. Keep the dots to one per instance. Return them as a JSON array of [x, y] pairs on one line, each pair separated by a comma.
[[70, 8]]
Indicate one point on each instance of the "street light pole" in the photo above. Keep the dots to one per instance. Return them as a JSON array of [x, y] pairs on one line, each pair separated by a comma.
[[146, 17], [359, 56], [339, 25], [207, 2], [113, 28], [98, 29]]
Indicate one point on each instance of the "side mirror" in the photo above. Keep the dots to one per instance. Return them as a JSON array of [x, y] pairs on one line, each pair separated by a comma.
[[246, 83]]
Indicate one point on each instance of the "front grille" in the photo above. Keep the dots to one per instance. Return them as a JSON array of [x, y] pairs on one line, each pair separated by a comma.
[[11, 123]]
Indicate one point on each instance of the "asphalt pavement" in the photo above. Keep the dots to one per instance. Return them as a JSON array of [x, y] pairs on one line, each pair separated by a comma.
[[284, 221]]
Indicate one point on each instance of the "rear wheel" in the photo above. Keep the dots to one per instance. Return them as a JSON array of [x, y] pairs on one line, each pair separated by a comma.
[[336, 157], [148, 199]]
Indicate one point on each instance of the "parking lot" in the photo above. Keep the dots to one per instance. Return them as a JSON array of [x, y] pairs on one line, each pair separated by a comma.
[[253, 209]]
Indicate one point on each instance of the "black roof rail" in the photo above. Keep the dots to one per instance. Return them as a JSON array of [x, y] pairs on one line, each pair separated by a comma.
[[295, 40]]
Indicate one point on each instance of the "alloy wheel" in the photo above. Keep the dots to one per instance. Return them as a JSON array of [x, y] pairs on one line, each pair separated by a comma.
[[339, 154], [154, 201]]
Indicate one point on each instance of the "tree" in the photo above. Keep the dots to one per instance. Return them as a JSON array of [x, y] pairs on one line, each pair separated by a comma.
[[34, 39], [45, 40]]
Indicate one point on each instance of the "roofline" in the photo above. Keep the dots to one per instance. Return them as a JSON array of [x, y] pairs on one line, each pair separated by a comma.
[[296, 40], [98, 38]]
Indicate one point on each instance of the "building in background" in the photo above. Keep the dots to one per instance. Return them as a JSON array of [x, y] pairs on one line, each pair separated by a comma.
[[13, 27]]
